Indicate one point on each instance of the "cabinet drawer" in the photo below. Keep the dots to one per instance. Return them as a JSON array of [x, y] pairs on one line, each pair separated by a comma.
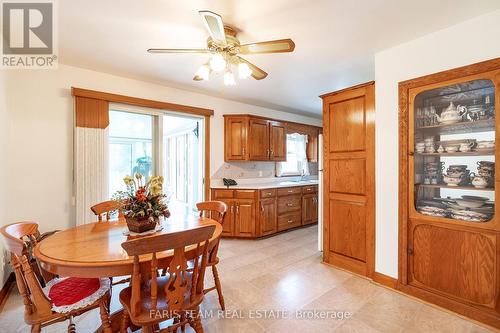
[[288, 221], [269, 193], [222, 194], [310, 189], [289, 191], [289, 204], [245, 194]]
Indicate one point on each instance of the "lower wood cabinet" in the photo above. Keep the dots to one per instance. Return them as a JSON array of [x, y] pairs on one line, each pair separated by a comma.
[[268, 215], [309, 208], [254, 213]]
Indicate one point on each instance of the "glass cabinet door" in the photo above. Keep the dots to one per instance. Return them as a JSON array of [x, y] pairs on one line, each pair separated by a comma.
[[454, 152]]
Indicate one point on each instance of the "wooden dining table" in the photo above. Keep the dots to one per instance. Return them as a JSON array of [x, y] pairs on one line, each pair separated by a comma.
[[94, 249]]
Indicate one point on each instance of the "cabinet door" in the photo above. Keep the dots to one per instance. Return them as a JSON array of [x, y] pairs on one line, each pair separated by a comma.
[[457, 263], [235, 138], [258, 136], [244, 221], [268, 221], [277, 141], [228, 222], [309, 208]]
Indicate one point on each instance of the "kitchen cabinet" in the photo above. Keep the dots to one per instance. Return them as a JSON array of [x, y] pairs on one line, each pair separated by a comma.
[[253, 138], [235, 139], [268, 215], [257, 213], [309, 208], [448, 211]]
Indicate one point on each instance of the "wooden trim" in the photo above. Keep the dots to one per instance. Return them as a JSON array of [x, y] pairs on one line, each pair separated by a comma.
[[140, 102], [7, 287], [207, 158], [91, 113], [362, 85], [385, 280]]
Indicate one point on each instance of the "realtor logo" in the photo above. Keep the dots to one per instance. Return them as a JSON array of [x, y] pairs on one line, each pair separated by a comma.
[[28, 35]]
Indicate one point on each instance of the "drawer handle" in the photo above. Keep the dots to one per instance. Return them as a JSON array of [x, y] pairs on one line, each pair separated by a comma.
[[289, 204], [290, 221], [290, 191]]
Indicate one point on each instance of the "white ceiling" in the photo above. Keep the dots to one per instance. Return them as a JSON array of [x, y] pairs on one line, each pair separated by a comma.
[[335, 41]]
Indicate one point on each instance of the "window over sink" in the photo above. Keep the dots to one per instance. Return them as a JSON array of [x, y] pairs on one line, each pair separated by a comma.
[[296, 157]]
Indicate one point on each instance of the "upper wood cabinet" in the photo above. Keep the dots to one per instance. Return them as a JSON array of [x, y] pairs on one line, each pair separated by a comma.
[[253, 138], [235, 138]]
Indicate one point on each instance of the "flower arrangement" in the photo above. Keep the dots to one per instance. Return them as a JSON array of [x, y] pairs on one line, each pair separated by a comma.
[[143, 202]]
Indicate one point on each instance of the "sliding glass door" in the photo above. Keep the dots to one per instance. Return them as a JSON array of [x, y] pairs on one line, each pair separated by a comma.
[[159, 143]]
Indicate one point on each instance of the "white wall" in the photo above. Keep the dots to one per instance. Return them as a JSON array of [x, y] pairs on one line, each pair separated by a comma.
[[3, 156], [39, 144], [467, 43]]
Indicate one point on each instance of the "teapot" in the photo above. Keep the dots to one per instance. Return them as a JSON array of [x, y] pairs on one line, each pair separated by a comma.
[[452, 114]]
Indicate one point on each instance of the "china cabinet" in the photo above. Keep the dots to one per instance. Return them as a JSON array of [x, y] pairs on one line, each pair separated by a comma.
[[449, 226]]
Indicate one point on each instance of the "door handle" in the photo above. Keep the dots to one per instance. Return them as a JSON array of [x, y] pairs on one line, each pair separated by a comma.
[[262, 208], [232, 209], [237, 209]]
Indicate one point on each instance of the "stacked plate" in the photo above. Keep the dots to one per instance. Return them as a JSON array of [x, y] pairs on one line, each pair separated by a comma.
[[467, 208]]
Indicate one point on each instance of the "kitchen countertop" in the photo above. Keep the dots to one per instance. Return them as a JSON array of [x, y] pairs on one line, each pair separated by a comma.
[[265, 185]]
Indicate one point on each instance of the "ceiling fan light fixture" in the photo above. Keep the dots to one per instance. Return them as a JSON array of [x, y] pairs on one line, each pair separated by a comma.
[[229, 78], [217, 62], [244, 71], [203, 72]]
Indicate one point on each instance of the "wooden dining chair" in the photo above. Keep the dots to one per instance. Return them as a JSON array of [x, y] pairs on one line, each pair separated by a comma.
[[105, 209], [215, 210], [151, 299], [62, 298]]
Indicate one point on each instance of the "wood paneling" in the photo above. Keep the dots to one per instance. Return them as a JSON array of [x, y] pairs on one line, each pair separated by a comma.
[[235, 129], [258, 133], [459, 263], [268, 216], [349, 178], [91, 113], [277, 140], [347, 125]]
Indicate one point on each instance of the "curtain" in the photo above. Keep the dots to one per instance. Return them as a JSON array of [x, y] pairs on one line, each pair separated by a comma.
[[296, 160], [90, 156]]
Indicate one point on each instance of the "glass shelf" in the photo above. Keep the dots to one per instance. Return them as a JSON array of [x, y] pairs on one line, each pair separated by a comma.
[[461, 116]]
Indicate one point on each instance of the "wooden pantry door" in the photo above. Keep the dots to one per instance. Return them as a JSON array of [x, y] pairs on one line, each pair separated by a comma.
[[349, 178]]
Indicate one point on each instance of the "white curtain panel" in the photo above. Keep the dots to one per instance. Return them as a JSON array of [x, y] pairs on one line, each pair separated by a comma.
[[91, 171]]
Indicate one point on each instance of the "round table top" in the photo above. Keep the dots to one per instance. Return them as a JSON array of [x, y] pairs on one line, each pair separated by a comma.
[[94, 249]]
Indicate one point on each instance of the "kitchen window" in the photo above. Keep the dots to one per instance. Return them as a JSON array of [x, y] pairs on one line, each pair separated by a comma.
[[296, 157]]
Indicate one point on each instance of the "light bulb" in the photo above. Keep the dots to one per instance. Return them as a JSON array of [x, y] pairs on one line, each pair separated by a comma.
[[229, 78], [203, 72], [244, 71], [217, 62]]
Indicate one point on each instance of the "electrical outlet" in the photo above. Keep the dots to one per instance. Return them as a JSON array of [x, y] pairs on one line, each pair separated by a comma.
[[260, 173]]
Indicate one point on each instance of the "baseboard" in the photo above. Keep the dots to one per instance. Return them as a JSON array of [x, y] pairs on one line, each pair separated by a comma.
[[7, 287], [385, 280]]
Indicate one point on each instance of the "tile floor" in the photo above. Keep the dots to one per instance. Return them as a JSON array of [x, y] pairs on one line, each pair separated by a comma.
[[279, 276]]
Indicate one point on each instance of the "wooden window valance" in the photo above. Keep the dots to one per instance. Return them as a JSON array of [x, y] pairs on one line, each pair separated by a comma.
[[91, 113]]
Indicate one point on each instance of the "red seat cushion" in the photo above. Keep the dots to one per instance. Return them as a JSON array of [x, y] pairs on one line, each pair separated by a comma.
[[72, 290]]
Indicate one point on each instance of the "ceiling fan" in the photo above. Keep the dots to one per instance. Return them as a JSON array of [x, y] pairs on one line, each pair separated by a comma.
[[225, 50]]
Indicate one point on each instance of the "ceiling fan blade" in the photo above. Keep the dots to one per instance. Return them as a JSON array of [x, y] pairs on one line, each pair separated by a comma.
[[272, 46], [214, 25], [178, 51], [257, 73]]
